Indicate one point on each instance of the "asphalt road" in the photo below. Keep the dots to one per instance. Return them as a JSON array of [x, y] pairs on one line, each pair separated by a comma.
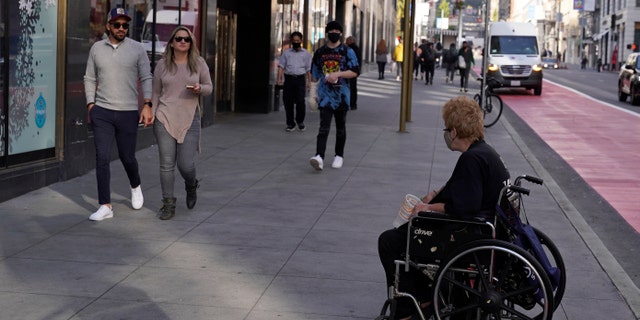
[[599, 85], [621, 240]]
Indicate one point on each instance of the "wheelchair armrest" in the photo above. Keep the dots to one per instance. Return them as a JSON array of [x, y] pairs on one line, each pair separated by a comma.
[[447, 217]]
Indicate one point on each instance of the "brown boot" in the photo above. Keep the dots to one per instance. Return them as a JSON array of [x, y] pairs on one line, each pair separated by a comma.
[[168, 209]]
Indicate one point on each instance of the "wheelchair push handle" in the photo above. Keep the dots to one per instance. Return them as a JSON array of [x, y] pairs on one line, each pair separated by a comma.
[[520, 190], [529, 178]]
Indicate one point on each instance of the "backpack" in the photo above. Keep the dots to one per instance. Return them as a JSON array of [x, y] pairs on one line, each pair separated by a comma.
[[429, 55], [450, 56]]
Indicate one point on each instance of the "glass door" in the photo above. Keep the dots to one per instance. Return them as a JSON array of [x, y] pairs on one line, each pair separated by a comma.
[[3, 84]]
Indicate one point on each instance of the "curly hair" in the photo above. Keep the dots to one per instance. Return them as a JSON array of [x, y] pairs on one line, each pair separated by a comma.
[[465, 115]]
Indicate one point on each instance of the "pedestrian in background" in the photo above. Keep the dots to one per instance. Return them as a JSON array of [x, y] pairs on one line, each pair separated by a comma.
[[332, 65], [429, 61], [295, 65], [416, 60], [398, 53], [450, 61], [466, 53], [381, 57], [114, 68], [423, 47], [353, 82], [180, 79]]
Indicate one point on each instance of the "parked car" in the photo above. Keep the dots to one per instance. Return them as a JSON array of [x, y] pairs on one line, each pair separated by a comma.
[[629, 80], [550, 63]]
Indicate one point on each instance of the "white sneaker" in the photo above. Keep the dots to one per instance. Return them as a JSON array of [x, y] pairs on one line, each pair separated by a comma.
[[104, 212], [337, 162], [316, 162], [137, 200]]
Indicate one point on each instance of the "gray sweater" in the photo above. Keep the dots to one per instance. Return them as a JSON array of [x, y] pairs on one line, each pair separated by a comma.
[[112, 75]]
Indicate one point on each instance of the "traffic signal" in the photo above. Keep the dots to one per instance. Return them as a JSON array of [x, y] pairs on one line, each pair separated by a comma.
[[634, 47]]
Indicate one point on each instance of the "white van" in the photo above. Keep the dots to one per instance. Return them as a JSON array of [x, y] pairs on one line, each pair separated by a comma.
[[166, 21], [514, 57]]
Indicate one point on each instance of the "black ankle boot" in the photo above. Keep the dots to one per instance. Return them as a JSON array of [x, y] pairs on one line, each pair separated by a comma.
[[168, 209], [192, 195]]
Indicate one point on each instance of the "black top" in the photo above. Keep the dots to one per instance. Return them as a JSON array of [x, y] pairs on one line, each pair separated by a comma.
[[475, 184], [356, 49]]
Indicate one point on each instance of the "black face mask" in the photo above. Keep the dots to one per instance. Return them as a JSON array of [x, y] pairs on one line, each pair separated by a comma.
[[333, 37], [297, 45]]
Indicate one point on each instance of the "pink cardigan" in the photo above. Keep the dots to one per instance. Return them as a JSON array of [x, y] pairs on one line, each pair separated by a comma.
[[173, 103]]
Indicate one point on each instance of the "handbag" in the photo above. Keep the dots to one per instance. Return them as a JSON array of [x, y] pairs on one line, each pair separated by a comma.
[[312, 100], [461, 63]]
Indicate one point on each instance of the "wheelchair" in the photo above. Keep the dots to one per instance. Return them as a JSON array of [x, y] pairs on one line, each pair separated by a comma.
[[498, 267]]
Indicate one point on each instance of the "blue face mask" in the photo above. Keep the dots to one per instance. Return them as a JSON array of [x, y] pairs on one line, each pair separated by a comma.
[[333, 37]]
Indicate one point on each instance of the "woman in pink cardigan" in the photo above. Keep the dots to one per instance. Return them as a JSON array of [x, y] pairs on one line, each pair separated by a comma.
[[180, 78]]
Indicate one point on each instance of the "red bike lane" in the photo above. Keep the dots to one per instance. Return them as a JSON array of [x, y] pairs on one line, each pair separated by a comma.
[[597, 139]]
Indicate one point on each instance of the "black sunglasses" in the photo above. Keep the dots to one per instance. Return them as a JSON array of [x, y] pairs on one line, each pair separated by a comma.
[[179, 39], [117, 25]]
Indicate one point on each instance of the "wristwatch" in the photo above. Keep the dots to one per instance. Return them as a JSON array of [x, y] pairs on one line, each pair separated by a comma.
[[148, 103]]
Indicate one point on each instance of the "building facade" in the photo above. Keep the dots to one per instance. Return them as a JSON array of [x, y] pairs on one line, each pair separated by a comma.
[[44, 45]]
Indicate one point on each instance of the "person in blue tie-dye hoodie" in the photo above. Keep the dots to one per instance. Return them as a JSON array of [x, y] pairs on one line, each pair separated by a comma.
[[331, 66]]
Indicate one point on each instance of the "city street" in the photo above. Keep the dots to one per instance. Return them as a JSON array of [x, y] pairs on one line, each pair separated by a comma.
[[270, 238]]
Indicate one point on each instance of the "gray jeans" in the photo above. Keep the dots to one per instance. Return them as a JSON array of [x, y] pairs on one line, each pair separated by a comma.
[[183, 154]]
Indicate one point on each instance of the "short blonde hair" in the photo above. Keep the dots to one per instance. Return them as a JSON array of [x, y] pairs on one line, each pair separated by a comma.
[[465, 115]]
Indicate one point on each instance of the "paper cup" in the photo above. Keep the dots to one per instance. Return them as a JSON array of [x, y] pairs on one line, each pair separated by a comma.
[[404, 213]]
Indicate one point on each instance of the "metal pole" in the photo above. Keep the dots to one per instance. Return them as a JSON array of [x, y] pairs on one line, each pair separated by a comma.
[[459, 39], [485, 51], [407, 81]]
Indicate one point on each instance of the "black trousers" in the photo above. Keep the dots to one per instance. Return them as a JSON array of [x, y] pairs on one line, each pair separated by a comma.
[[430, 69], [391, 246], [326, 114], [293, 96]]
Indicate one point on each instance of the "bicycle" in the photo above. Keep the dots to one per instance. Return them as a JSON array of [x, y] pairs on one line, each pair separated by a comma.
[[492, 109]]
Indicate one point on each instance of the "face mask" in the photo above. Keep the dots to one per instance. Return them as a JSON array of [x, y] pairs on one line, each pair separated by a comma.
[[297, 45], [333, 37], [447, 139]]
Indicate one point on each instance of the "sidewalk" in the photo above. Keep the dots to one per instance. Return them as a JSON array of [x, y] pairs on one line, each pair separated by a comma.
[[270, 238]]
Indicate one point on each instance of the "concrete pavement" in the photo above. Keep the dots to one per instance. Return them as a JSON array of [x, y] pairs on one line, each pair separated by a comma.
[[270, 238]]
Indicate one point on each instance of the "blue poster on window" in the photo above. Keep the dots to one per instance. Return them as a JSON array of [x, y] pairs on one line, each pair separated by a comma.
[[32, 90]]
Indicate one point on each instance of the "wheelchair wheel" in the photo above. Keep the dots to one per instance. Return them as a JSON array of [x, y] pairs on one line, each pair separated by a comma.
[[492, 279], [558, 281]]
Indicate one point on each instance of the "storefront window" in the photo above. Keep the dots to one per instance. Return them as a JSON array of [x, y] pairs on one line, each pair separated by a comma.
[[31, 108]]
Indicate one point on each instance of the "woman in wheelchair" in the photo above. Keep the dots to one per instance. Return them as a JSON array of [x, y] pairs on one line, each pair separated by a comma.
[[471, 191]]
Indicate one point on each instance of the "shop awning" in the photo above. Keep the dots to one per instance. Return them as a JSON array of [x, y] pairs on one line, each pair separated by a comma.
[[600, 35]]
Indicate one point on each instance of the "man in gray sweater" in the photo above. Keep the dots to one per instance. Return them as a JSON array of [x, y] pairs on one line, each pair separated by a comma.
[[114, 67]]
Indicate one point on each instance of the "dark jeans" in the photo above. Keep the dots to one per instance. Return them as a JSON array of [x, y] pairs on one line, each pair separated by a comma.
[[326, 114], [430, 69], [381, 69], [451, 70], [464, 78], [391, 246], [121, 127], [293, 94], [172, 153]]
